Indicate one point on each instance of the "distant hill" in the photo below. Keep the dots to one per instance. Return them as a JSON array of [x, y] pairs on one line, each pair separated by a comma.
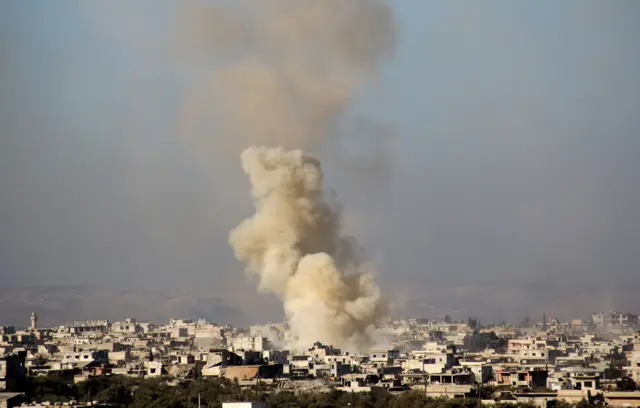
[[512, 301], [491, 301], [56, 305]]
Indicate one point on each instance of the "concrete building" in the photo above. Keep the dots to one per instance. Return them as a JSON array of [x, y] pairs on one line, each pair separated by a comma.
[[383, 355], [477, 342], [320, 351], [153, 368], [614, 318], [20, 338], [337, 369], [180, 332], [99, 356], [633, 369], [344, 359], [119, 357], [445, 390], [455, 377], [584, 382], [276, 356], [129, 326], [514, 346], [208, 336], [522, 378], [299, 365], [10, 399], [483, 372], [622, 399], [530, 356], [433, 363], [244, 405], [12, 371], [249, 343], [252, 372], [218, 359], [84, 326]]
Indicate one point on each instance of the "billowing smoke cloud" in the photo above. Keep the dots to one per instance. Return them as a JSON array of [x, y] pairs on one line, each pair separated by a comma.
[[285, 69], [294, 245]]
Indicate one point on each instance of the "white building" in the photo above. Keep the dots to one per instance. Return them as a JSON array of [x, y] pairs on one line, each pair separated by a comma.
[[430, 362], [633, 370], [383, 355], [153, 368], [100, 356], [244, 405], [437, 362], [129, 326]]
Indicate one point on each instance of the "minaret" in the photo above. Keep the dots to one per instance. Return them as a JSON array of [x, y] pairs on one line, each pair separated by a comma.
[[34, 321]]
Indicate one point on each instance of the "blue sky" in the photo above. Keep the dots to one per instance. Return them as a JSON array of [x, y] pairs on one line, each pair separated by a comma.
[[502, 147]]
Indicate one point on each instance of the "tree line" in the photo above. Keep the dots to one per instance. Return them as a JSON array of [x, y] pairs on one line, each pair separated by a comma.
[[120, 391], [127, 392]]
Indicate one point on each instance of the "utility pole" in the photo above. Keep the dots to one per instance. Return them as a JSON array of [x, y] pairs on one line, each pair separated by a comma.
[[198, 400], [424, 377]]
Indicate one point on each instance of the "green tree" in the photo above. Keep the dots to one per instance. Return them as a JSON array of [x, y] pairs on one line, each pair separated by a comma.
[[411, 399], [52, 388], [152, 393]]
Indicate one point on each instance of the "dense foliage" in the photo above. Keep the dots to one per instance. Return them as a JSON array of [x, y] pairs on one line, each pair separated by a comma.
[[138, 393]]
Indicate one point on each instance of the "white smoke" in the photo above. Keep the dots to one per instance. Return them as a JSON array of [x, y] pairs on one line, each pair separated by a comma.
[[294, 245]]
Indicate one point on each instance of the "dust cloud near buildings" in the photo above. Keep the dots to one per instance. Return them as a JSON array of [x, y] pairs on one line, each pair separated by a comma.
[[293, 68]]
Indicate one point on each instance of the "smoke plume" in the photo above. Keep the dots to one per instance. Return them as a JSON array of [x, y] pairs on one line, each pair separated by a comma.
[[294, 245], [284, 69]]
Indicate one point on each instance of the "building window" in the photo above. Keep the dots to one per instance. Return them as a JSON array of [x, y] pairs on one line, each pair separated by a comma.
[[588, 384]]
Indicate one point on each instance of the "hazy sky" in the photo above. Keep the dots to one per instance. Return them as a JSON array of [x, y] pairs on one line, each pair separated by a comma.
[[500, 144]]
